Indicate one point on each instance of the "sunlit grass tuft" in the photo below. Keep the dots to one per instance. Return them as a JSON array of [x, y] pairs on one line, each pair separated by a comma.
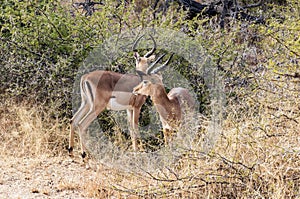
[[30, 130]]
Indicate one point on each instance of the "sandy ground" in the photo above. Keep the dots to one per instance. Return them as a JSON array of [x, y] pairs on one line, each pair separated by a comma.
[[44, 177]]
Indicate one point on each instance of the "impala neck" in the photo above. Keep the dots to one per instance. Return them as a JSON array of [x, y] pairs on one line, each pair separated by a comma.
[[168, 108], [159, 95]]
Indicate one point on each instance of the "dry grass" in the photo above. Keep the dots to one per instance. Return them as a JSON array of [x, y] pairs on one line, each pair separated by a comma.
[[256, 156], [28, 130]]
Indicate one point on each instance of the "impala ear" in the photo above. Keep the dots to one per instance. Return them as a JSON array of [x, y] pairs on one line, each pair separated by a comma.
[[136, 56], [160, 77], [151, 58]]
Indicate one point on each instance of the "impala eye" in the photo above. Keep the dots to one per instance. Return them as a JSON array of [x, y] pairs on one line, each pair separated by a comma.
[[145, 82]]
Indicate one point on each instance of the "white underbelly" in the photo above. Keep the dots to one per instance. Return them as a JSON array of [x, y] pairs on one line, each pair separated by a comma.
[[120, 101], [114, 105]]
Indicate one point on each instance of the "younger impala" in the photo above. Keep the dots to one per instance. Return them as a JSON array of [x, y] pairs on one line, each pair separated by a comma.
[[171, 107]]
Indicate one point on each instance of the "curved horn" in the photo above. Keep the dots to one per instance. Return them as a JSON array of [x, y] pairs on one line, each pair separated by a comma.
[[150, 68], [162, 66], [148, 54], [136, 42]]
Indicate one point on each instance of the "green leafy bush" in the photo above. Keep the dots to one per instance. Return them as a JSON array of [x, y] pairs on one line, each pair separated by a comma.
[[42, 45]]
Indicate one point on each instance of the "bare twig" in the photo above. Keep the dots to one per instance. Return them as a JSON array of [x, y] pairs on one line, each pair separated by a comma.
[[295, 75], [88, 6], [253, 5]]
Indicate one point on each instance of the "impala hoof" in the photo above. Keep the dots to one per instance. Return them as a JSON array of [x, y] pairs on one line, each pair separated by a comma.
[[83, 155], [70, 150]]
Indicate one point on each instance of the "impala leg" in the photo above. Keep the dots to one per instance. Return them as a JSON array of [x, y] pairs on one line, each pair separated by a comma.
[[84, 124], [131, 129], [135, 126], [133, 118], [71, 139], [74, 123]]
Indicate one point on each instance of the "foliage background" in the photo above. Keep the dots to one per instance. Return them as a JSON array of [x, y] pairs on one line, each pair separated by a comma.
[[43, 42]]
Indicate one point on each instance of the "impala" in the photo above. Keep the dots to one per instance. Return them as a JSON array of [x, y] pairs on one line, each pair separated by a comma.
[[113, 91], [142, 62], [171, 107]]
